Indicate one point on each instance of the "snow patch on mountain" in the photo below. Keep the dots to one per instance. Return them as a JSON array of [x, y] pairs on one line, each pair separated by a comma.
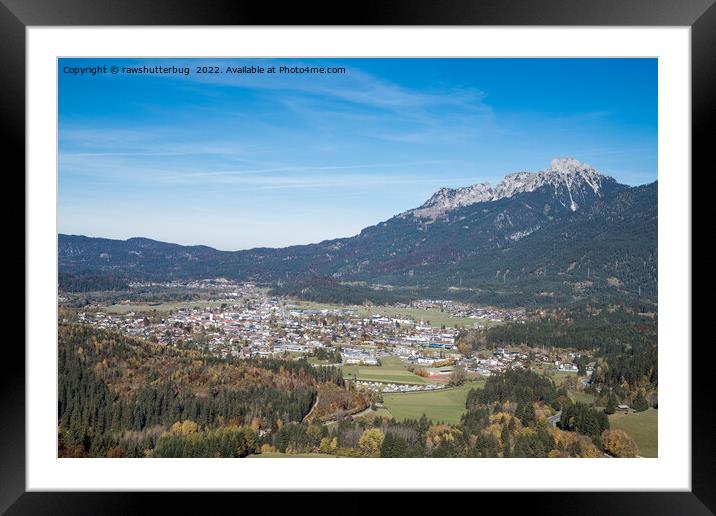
[[518, 235], [563, 173]]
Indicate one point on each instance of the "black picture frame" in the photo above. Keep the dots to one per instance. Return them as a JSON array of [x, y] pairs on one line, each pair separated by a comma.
[[16, 15]]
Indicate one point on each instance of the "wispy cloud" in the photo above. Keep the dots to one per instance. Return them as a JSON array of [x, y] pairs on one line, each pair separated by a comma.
[[118, 168], [355, 86]]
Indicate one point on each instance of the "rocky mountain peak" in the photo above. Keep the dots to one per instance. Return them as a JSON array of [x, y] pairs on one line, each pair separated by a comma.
[[570, 179], [569, 166]]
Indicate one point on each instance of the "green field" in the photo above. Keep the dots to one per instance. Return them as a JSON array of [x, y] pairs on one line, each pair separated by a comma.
[[581, 397], [642, 427], [445, 405], [435, 317], [163, 307], [392, 369], [560, 376]]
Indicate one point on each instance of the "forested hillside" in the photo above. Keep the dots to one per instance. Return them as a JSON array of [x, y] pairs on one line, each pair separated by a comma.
[[118, 395], [623, 340]]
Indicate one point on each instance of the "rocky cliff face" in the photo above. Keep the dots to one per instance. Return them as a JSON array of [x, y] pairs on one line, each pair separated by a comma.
[[573, 184]]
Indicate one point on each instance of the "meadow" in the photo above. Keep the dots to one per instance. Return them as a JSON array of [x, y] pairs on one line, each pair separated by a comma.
[[642, 427], [435, 317], [446, 405], [581, 397], [391, 370]]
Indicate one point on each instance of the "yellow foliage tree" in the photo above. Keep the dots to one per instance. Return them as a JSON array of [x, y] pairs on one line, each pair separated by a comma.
[[267, 448], [328, 445], [325, 446], [464, 347], [370, 442], [184, 427], [619, 444]]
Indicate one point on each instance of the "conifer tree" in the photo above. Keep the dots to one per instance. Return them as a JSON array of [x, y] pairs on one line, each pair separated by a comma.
[[611, 407], [640, 403], [506, 446]]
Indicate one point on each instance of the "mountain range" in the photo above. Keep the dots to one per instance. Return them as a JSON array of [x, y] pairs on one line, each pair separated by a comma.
[[562, 234]]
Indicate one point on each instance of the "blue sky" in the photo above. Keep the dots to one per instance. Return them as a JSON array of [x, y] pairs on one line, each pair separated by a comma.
[[236, 161]]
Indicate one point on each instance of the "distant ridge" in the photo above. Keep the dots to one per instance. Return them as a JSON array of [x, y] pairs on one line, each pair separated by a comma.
[[565, 233]]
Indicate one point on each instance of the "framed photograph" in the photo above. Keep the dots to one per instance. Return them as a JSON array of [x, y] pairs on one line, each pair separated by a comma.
[[446, 247]]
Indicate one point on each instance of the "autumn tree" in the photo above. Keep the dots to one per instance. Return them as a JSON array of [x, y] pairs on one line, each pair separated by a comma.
[[184, 427], [458, 376], [370, 442], [619, 444], [464, 347]]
